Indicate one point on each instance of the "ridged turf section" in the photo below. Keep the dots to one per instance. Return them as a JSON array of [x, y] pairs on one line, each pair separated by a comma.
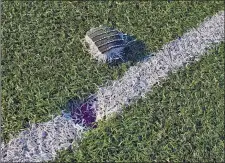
[[44, 63], [180, 121]]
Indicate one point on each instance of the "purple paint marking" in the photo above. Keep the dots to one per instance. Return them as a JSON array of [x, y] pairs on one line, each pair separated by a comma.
[[84, 114]]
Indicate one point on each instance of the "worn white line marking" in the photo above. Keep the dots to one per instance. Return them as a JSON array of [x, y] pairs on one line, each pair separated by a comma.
[[138, 80]]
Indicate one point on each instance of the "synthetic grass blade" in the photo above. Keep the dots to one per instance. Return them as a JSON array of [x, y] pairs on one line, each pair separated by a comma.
[[41, 141]]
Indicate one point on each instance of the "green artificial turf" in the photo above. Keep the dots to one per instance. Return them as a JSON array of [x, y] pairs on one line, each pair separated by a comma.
[[44, 63], [183, 120]]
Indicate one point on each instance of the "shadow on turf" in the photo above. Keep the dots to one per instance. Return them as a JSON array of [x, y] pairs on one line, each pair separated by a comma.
[[135, 51]]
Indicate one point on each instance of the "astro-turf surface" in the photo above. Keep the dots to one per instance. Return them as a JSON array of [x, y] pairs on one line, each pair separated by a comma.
[[44, 65], [183, 120]]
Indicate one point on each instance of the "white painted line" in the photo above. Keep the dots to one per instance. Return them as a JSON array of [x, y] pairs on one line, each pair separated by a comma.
[[41, 141], [138, 80], [35, 145]]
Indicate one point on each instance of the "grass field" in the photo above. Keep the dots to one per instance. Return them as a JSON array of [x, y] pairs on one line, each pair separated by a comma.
[[180, 121], [44, 65]]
